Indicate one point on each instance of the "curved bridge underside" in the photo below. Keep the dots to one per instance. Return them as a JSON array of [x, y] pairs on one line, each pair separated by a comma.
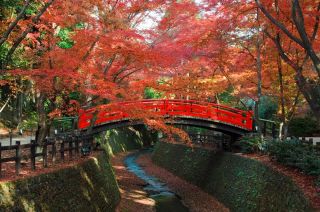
[[184, 112], [201, 114], [208, 124]]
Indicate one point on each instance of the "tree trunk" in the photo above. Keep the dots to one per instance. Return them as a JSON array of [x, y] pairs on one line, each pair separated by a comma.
[[259, 78], [311, 92], [283, 131], [283, 125], [42, 130]]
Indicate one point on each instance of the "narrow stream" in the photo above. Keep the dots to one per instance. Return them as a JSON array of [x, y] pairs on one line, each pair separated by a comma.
[[166, 200]]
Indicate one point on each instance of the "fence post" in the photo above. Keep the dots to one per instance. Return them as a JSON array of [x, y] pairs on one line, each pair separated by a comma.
[[70, 147], [45, 154], [18, 157], [0, 162], [54, 151], [311, 141], [62, 150], [10, 137], [33, 154]]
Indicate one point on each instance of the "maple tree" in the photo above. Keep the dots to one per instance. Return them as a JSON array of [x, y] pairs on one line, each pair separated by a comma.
[[293, 28], [258, 59], [98, 51]]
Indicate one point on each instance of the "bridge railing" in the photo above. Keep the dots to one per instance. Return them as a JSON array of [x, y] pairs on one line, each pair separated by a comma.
[[181, 108]]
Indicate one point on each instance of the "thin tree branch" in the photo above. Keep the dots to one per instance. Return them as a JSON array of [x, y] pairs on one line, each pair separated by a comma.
[[5, 104], [316, 25], [87, 54], [128, 74], [109, 64], [122, 69], [278, 24], [298, 19], [14, 23], [35, 20]]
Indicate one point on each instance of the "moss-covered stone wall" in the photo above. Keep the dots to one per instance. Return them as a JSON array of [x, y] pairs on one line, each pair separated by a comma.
[[240, 183], [123, 139], [90, 186]]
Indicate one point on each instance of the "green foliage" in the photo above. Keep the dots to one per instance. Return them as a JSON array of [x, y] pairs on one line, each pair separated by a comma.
[[240, 183], [192, 164], [4, 48], [65, 41], [17, 60], [64, 124], [8, 5], [251, 144], [296, 154], [32, 8], [303, 127], [268, 107], [124, 139], [75, 95], [150, 93], [30, 123], [227, 96], [90, 186]]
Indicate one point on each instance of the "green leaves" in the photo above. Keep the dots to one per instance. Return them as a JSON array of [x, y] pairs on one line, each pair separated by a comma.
[[303, 126], [251, 144], [65, 41], [296, 154], [150, 93]]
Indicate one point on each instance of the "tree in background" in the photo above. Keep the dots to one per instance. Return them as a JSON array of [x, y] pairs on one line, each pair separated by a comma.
[[293, 28]]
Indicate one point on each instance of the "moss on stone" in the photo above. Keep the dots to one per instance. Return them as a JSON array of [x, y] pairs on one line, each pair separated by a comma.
[[125, 139], [240, 183], [90, 186]]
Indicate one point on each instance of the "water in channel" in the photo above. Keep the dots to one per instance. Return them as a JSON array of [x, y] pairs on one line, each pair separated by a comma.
[[166, 200]]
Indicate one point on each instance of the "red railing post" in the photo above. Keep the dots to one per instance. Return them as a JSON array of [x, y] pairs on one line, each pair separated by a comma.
[[165, 106], [208, 111]]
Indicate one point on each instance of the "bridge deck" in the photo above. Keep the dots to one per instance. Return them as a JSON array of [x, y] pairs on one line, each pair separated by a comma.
[[167, 108]]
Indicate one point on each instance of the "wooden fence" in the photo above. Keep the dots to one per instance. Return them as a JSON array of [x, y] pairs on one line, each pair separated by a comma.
[[70, 145]]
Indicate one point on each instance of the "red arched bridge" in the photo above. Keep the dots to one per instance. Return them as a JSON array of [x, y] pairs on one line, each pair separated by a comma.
[[203, 114]]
